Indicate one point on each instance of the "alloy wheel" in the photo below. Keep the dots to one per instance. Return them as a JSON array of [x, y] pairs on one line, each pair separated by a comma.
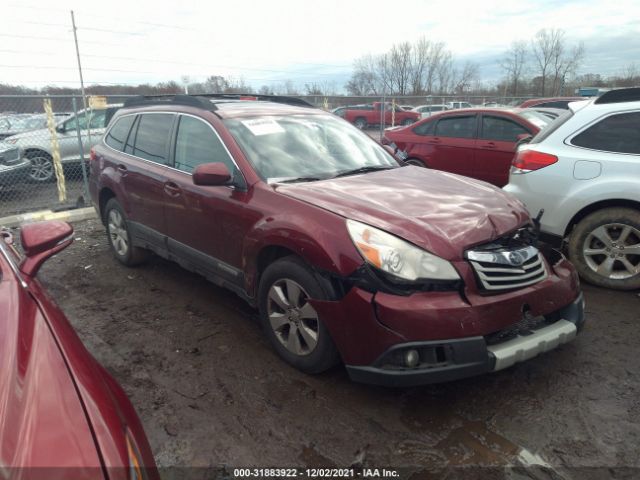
[[292, 318], [613, 251], [41, 169], [118, 233]]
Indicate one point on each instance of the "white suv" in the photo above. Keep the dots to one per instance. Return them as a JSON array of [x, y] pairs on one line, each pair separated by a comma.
[[584, 171]]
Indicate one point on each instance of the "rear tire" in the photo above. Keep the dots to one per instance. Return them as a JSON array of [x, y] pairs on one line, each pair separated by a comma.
[[416, 162], [605, 248], [118, 234], [289, 321]]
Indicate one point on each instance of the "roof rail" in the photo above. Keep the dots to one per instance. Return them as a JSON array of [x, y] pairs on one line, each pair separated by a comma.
[[265, 98], [176, 99], [203, 100], [619, 95]]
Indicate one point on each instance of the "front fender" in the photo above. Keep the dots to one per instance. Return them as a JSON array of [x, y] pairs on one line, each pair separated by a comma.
[[322, 242]]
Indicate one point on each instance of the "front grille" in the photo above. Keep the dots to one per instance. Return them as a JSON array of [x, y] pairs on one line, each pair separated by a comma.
[[507, 269]]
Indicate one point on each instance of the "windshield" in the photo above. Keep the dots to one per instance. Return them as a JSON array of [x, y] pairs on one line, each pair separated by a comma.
[[537, 118], [306, 146]]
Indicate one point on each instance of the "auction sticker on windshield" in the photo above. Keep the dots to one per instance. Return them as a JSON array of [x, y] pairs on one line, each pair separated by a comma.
[[263, 126]]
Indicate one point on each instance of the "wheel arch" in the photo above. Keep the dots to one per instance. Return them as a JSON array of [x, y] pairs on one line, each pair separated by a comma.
[[104, 196], [594, 207], [35, 150]]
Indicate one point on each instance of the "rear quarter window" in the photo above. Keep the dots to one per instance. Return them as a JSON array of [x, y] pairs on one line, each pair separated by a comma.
[[618, 133], [118, 134]]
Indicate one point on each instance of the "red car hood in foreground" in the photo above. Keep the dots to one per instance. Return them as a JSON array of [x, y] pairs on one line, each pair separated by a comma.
[[440, 212]]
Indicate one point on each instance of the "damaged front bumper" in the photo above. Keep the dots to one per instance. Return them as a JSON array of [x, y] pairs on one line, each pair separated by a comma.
[[439, 336]]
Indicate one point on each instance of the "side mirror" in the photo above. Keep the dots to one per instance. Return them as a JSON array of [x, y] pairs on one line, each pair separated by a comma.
[[40, 241], [211, 174], [61, 128]]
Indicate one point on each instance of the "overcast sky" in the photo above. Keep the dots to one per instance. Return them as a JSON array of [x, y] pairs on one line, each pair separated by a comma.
[[270, 41]]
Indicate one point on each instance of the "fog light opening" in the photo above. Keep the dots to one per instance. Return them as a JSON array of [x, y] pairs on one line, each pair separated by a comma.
[[411, 358]]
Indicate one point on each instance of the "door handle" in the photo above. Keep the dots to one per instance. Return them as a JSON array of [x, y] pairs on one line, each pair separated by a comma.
[[435, 141], [489, 145], [172, 189]]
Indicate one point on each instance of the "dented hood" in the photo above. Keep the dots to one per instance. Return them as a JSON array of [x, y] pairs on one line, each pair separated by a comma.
[[441, 212]]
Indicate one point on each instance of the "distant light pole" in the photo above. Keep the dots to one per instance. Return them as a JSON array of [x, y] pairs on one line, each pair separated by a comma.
[[75, 38]]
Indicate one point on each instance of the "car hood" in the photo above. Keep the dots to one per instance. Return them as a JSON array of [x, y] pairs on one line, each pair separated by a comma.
[[441, 212], [31, 134]]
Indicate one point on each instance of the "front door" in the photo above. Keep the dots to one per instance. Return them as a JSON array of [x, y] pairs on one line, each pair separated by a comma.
[[203, 221], [453, 144]]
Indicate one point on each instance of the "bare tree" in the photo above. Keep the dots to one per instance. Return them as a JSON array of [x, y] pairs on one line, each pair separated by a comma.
[[514, 64], [465, 77], [544, 45], [400, 68]]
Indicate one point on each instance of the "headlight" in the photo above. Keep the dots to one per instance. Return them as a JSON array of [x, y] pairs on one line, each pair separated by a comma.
[[10, 140], [397, 257]]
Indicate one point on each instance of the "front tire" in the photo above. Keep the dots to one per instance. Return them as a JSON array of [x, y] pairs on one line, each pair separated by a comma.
[[292, 325], [41, 167], [119, 236], [605, 248], [360, 123]]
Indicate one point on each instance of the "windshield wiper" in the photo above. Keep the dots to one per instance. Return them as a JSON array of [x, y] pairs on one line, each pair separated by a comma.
[[298, 179], [366, 169]]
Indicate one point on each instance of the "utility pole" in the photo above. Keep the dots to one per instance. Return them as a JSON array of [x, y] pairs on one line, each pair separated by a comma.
[[75, 37]]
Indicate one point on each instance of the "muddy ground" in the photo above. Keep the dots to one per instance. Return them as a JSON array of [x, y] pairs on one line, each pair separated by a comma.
[[210, 390]]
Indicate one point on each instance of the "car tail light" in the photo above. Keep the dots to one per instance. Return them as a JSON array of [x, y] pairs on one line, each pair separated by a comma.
[[529, 160], [92, 155]]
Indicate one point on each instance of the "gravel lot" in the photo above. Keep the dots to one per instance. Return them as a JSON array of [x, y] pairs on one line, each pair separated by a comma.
[[210, 391]]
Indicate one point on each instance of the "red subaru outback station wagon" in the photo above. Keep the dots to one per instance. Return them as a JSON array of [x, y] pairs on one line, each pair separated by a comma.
[[406, 275]]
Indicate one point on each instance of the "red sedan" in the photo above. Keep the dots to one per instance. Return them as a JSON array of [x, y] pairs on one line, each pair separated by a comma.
[[475, 142], [61, 414]]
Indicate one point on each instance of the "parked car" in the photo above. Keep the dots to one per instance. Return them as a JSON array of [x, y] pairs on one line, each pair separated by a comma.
[[478, 143], [63, 415], [456, 105], [584, 170], [550, 102], [552, 113], [25, 123], [428, 110], [372, 114], [406, 275], [14, 168], [36, 144]]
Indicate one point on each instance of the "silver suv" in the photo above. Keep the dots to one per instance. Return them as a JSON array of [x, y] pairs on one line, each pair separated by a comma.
[[36, 144], [584, 171]]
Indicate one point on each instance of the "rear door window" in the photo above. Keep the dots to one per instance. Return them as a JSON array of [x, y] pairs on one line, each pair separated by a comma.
[[118, 134], [501, 129], [618, 133], [458, 127], [153, 136]]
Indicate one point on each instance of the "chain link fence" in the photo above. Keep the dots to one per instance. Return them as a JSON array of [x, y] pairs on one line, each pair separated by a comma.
[[44, 150], [45, 140]]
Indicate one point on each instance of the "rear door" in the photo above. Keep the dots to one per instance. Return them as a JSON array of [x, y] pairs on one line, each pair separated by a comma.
[[496, 147], [453, 144], [142, 168]]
